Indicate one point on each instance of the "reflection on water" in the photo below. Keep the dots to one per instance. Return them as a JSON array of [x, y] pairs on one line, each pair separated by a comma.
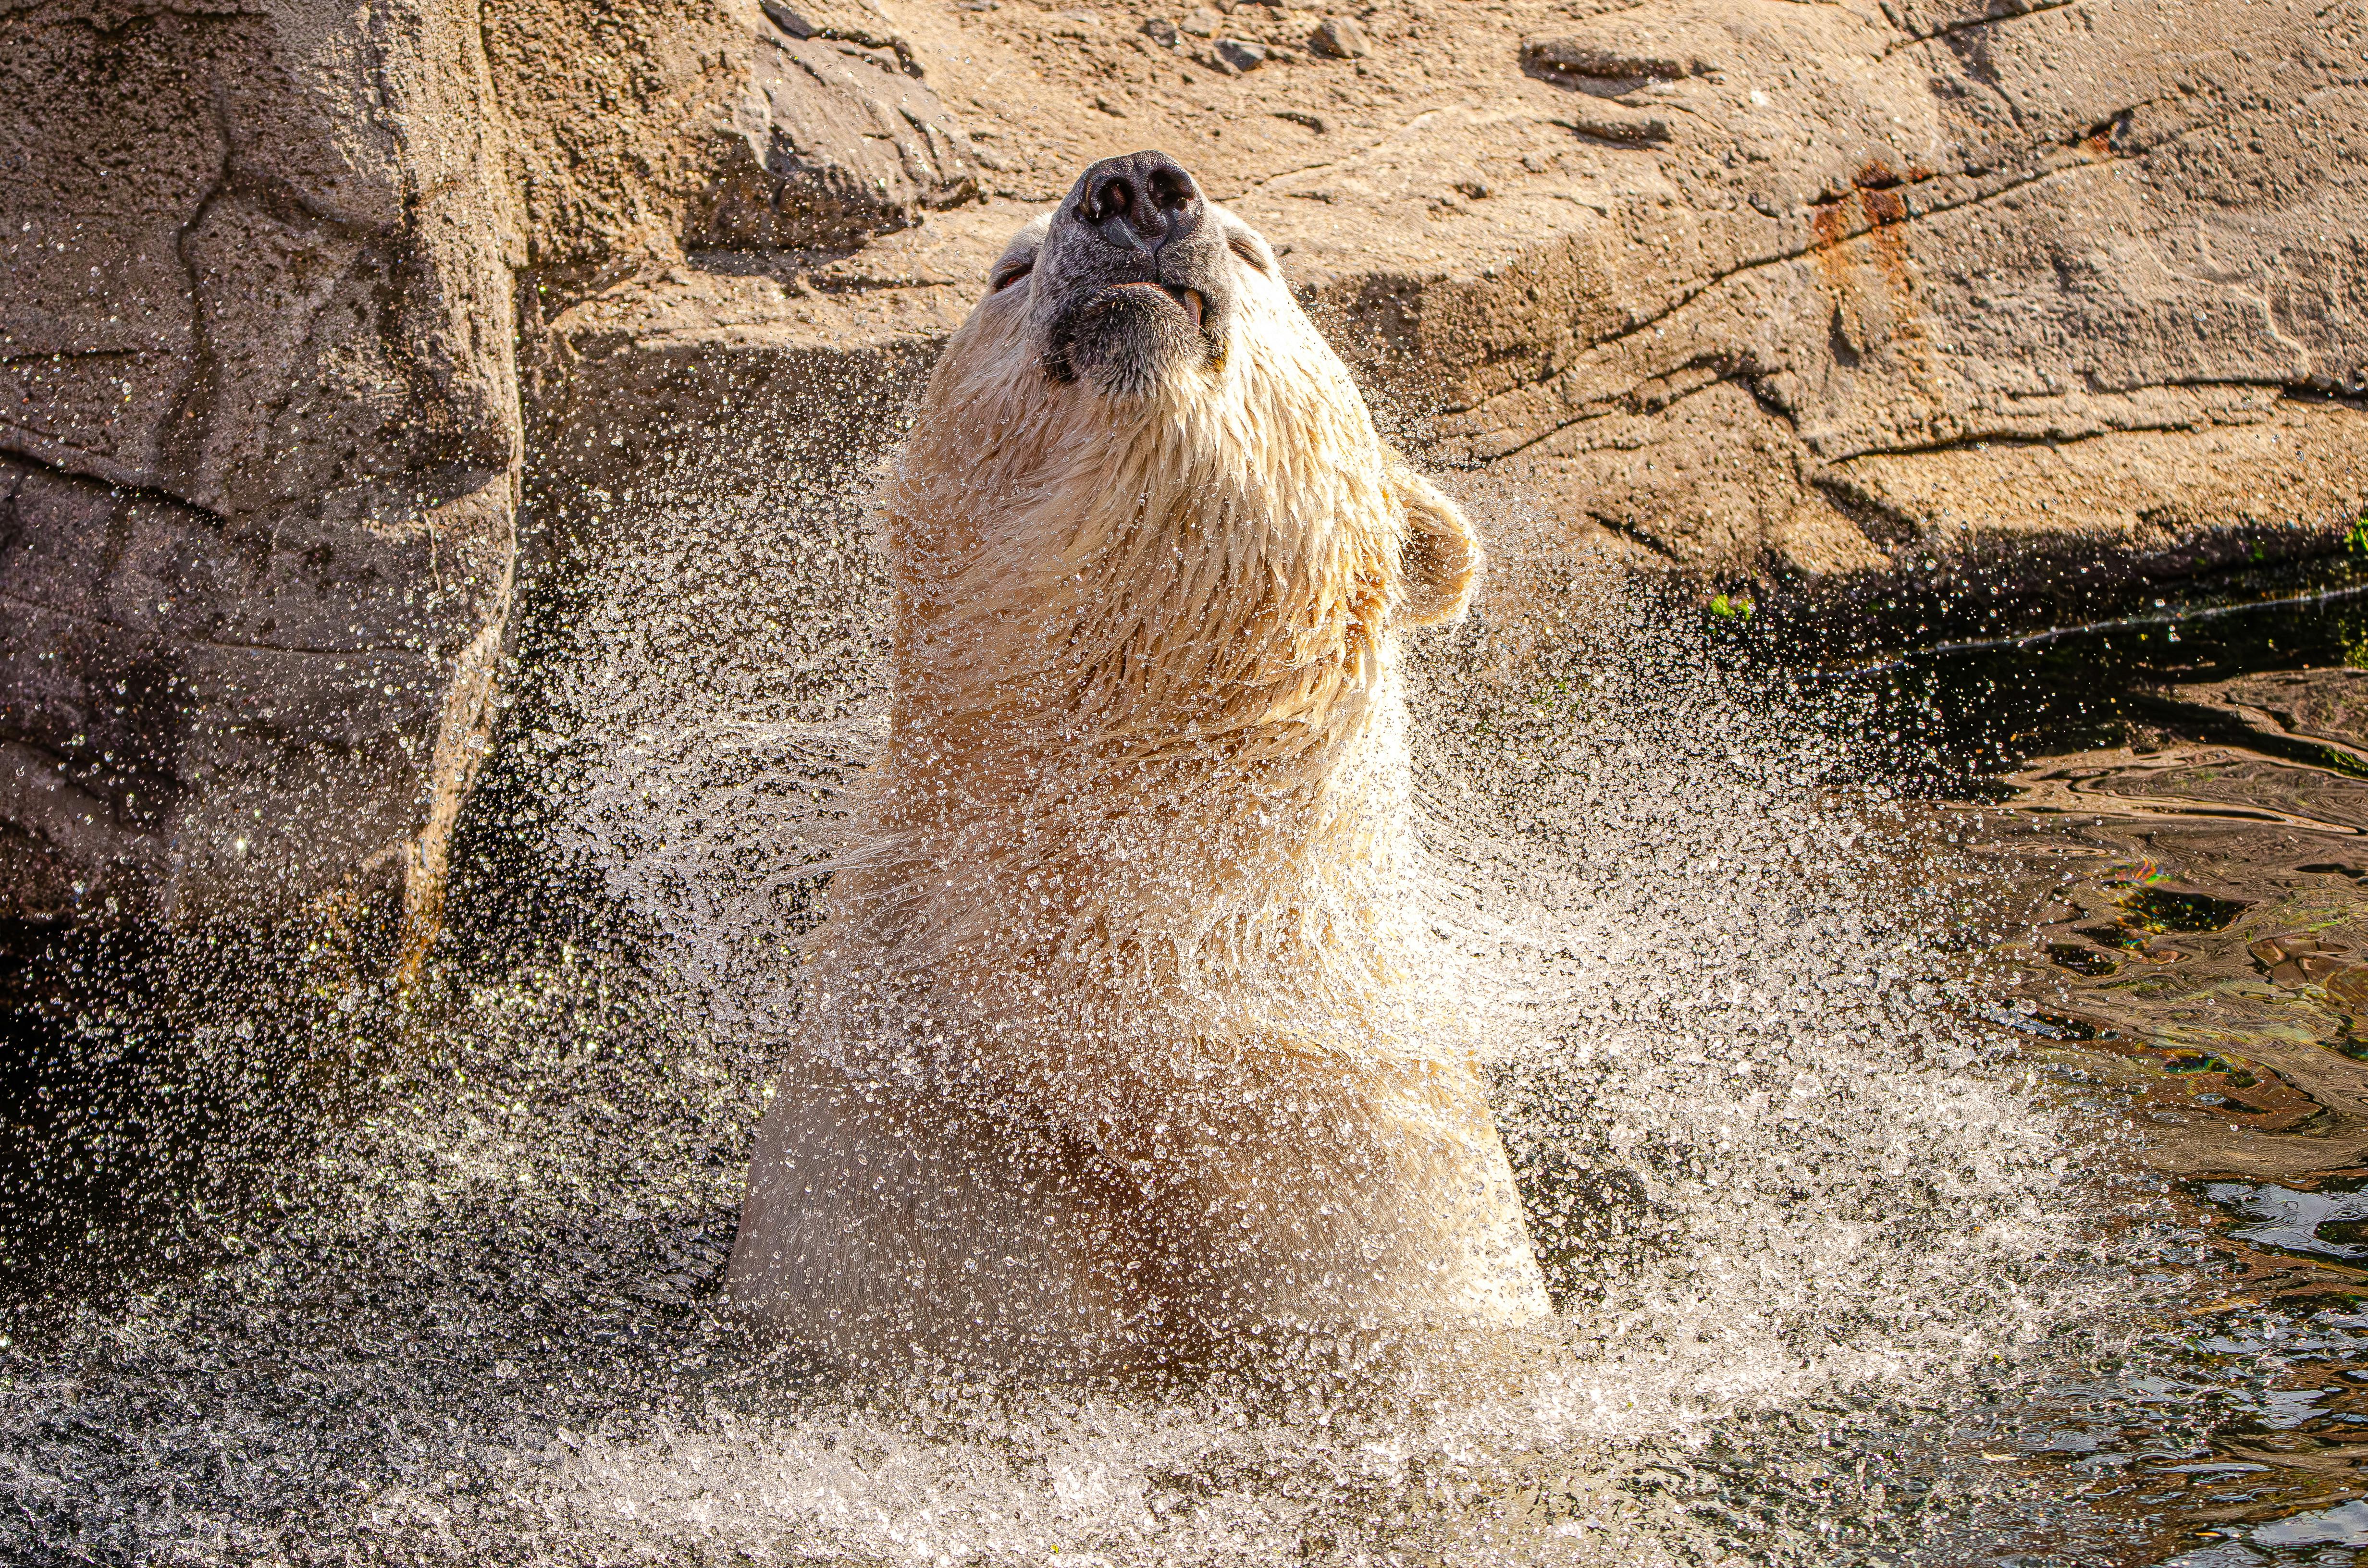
[[1933, 1094], [2176, 920], [2319, 1222]]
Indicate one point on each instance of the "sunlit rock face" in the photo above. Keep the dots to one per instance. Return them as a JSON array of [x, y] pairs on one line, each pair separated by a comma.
[[260, 424], [2003, 305], [2016, 303], [1991, 301], [837, 138], [1127, 1038], [258, 455]]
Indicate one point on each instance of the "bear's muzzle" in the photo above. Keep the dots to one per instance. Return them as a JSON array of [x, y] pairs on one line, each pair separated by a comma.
[[1132, 281]]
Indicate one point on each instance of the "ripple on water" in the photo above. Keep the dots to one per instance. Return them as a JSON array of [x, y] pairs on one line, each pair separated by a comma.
[[2176, 909], [437, 1279]]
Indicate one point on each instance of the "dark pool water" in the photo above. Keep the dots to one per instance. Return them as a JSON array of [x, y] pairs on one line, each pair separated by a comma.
[[2171, 819], [1955, 1151]]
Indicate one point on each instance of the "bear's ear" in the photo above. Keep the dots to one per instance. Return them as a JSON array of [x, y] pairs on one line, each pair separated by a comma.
[[1018, 257], [1440, 559]]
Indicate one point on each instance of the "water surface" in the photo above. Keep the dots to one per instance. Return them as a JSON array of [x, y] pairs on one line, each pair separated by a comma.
[[2173, 910], [1932, 1089]]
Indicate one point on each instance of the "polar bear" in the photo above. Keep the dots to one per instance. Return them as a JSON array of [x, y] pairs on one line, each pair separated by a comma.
[[1125, 1041]]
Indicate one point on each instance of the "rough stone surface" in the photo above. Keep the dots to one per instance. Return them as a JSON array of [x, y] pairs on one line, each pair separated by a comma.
[[1965, 297], [259, 442], [786, 363], [647, 129], [261, 282], [835, 143], [2055, 277], [1823, 296], [1339, 37]]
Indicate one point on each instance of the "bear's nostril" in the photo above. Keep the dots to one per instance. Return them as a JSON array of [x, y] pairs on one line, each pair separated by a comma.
[[1115, 196], [1171, 188]]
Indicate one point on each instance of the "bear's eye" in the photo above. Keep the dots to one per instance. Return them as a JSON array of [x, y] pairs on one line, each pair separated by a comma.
[[1248, 249], [1013, 274]]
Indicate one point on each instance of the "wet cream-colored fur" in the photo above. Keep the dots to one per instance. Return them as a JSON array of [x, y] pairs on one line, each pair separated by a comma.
[[1125, 1041]]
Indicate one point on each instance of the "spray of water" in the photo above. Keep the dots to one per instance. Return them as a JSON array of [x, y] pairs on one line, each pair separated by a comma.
[[466, 1305]]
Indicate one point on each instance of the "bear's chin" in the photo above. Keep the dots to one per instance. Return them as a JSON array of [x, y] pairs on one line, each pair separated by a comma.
[[1124, 339]]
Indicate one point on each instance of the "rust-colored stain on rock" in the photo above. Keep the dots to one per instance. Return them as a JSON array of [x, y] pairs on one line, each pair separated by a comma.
[[1878, 195]]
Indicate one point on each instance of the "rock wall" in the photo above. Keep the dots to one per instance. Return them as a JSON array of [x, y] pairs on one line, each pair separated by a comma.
[[1966, 299], [1975, 300], [1984, 295], [259, 447]]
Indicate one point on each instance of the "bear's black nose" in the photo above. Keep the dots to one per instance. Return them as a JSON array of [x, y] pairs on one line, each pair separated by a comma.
[[1142, 202]]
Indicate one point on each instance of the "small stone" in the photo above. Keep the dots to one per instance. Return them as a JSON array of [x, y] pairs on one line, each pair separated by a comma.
[[1110, 108], [1241, 55], [1202, 23], [1161, 31], [787, 18], [1338, 37]]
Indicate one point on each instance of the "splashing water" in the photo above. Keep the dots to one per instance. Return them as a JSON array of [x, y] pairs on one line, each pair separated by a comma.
[[439, 1280]]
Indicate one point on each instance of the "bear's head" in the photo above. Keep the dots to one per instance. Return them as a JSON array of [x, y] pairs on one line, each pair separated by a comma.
[[1145, 505]]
